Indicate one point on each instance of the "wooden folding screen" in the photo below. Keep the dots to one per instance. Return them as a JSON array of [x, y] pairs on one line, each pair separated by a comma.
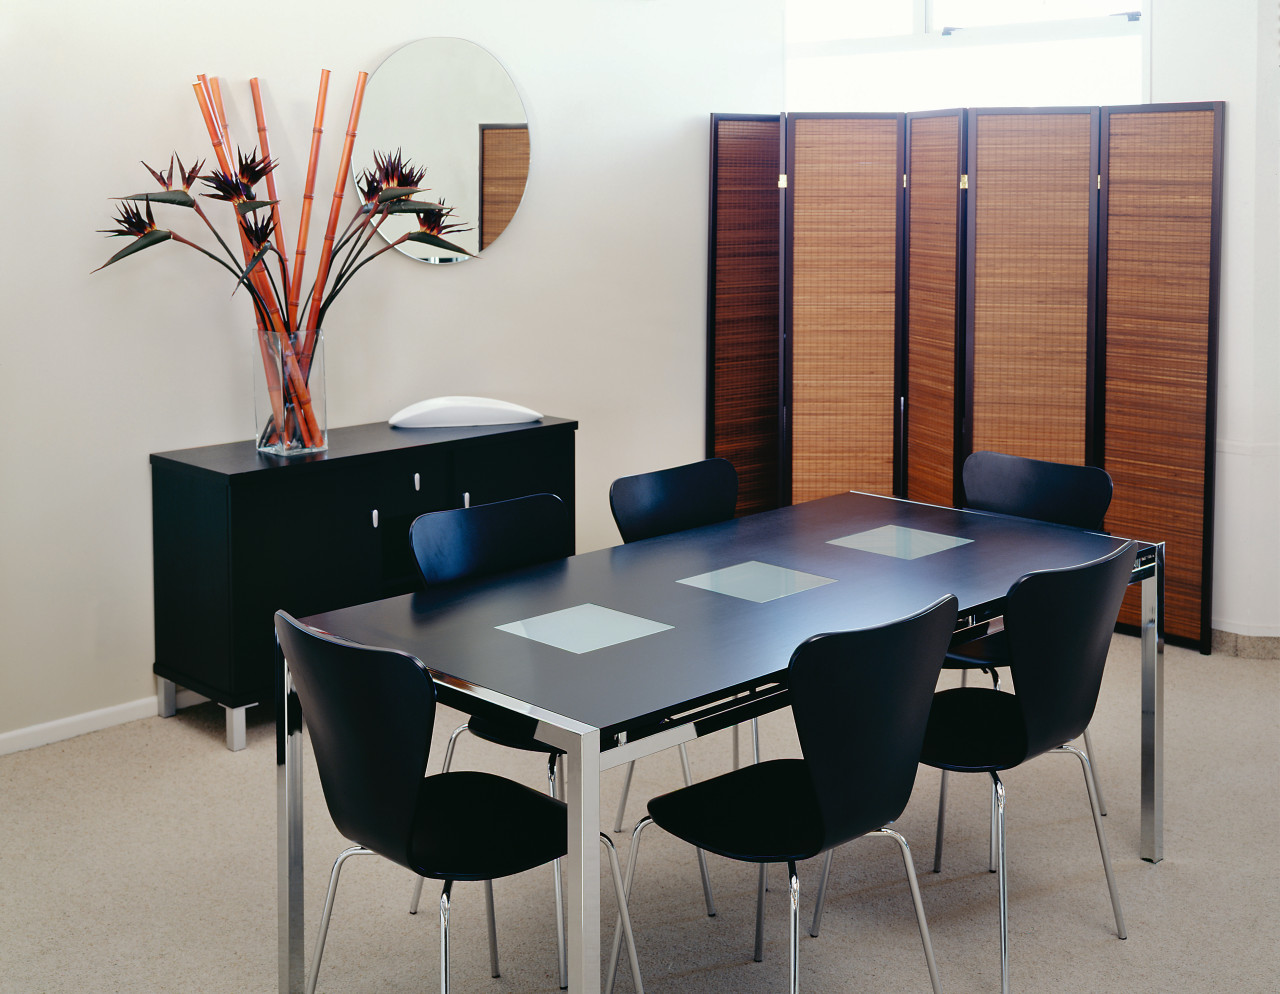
[[744, 333], [1062, 306], [841, 294], [504, 169], [934, 170], [1161, 193], [1031, 207]]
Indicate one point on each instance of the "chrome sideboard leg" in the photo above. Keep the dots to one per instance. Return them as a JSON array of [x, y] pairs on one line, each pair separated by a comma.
[[166, 697], [236, 727]]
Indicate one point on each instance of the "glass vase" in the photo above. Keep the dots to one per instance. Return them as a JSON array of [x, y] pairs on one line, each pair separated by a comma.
[[288, 393]]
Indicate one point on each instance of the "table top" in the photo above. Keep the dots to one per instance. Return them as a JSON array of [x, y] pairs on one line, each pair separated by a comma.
[[843, 562]]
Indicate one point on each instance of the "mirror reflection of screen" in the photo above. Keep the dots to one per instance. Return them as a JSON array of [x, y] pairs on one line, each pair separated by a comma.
[[434, 100]]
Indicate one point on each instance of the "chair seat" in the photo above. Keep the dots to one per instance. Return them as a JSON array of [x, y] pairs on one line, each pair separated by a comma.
[[984, 653], [974, 730], [724, 815], [478, 826], [514, 732]]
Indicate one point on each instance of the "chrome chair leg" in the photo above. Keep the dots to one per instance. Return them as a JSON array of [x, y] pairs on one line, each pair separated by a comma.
[[702, 857], [612, 973], [1102, 839], [444, 937], [997, 794], [1093, 771], [919, 905], [820, 903], [758, 955], [755, 758], [417, 895], [448, 752], [942, 793], [942, 801], [493, 929], [622, 801], [942, 821], [314, 972], [991, 859], [624, 916], [794, 974]]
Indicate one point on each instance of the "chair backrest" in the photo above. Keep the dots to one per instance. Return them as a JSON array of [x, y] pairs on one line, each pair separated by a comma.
[[369, 713], [671, 500], [861, 702], [491, 538], [1032, 488], [1059, 625]]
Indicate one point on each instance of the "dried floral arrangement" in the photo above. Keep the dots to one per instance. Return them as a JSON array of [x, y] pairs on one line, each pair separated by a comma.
[[288, 325]]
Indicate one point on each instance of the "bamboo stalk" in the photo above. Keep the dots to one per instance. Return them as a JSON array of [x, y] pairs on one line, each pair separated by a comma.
[[308, 195], [335, 207], [271, 184], [204, 99], [215, 95]]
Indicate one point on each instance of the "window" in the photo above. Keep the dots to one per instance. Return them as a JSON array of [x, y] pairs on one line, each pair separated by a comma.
[[928, 54]]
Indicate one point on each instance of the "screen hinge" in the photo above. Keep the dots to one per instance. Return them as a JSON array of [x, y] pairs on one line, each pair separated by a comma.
[[782, 181], [1099, 181], [964, 181]]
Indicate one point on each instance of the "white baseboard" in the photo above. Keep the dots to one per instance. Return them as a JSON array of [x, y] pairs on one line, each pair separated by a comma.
[[91, 721]]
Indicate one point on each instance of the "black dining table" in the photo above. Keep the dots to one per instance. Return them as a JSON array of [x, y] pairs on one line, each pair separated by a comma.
[[622, 652]]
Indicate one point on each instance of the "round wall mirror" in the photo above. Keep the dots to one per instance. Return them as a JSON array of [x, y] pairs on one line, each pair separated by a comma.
[[448, 105]]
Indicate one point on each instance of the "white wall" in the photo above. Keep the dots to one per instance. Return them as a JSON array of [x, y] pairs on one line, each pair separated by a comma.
[[590, 306], [1228, 51]]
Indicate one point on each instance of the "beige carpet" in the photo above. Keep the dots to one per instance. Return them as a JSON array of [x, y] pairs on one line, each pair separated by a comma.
[[142, 858]]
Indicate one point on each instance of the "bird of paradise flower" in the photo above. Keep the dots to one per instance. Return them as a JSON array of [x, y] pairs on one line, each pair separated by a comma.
[[288, 329]]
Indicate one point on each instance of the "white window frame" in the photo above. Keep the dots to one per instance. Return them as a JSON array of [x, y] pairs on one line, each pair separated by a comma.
[[1117, 25]]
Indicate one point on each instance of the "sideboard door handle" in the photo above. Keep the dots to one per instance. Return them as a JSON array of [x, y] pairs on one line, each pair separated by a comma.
[[375, 517], [417, 481], [466, 499]]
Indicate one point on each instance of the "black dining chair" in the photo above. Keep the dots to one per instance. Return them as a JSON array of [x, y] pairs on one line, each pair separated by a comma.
[[673, 500], [860, 700], [370, 714], [1061, 493], [1058, 493], [1058, 624], [469, 542], [663, 502]]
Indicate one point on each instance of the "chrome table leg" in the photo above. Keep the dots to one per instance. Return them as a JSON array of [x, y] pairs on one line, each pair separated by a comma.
[[1152, 831]]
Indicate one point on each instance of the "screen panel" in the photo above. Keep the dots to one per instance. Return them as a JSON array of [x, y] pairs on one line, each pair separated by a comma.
[[935, 154], [845, 177], [744, 391], [1161, 195], [1032, 204]]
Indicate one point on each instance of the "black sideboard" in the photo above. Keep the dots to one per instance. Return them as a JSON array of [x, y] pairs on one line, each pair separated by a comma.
[[238, 535]]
